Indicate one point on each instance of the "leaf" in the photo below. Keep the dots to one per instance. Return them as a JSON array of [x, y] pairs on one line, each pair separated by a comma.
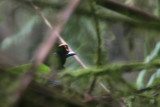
[[154, 77], [41, 69], [153, 56], [140, 83]]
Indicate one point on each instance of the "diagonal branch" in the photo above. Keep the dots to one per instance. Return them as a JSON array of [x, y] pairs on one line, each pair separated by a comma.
[[128, 14], [128, 10], [55, 31], [57, 34], [104, 87]]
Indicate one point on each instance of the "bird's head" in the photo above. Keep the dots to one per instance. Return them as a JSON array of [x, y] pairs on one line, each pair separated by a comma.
[[57, 58], [63, 51]]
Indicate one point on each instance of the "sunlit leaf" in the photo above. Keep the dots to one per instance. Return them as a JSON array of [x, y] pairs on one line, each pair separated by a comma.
[[140, 80], [154, 54], [154, 77], [41, 69]]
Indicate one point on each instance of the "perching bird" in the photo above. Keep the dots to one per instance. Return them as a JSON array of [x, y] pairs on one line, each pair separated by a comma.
[[57, 58]]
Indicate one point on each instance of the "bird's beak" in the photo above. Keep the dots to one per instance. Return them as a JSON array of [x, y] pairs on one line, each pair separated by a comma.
[[71, 53]]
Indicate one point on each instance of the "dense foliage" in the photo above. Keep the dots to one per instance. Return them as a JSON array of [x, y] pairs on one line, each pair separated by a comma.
[[116, 41]]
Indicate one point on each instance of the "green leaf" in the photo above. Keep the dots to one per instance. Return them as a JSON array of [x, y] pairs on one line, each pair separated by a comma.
[[153, 56], [41, 69], [154, 77], [140, 80]]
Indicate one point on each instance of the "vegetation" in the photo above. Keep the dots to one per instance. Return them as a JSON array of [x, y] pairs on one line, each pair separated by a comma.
[[117, 53]]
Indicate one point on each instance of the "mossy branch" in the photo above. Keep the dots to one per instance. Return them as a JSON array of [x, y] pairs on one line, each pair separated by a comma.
[[112, 68], [98, 33], [99, 43]]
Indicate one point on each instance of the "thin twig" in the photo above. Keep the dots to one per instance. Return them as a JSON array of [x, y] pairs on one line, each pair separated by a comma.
[[92, 86], [58, 35], [61, 20], [103, 86]]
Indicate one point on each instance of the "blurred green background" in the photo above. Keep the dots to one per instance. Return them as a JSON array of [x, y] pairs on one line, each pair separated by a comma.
[[124, 39]]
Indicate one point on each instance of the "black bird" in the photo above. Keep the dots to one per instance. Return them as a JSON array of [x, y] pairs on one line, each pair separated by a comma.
[[57, 58]]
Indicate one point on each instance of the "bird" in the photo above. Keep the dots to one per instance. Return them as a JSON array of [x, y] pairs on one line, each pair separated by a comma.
[[57, 57], [56, 60]]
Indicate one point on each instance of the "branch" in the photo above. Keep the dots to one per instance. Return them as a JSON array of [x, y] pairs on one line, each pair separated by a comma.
[[55, 31], [131, 19], [128, 10], [98, 33], [113, 68], [99, 44], [58, 35], [103, 86]]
